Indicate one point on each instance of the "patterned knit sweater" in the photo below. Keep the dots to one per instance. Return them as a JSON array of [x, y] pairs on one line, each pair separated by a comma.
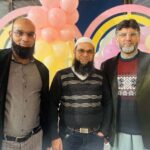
[[128, 119], [77, 102]]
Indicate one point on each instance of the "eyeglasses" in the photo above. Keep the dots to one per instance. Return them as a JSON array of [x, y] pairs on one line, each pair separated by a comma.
[[134, 34], [82, 51], [20, 33]]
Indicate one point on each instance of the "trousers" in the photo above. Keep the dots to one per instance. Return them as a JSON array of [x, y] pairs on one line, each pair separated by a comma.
[[128, 142], [82, 141], [33, 143]]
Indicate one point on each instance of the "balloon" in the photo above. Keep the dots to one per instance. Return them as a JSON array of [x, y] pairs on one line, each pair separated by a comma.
[[56, 17], [46, 3], [67, 32], [48, 61], [49, 34], [73, 17], [60, 49], [38, 34], [69, 5], [50, 3], [55, 4], [38, 16], [42, 50]]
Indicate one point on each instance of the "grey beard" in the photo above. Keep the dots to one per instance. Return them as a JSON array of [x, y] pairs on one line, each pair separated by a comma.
[[128, 50], [128, 53]]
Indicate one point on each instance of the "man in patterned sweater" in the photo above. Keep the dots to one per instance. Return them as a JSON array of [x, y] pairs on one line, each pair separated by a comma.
[[128, 75], [79, 100]]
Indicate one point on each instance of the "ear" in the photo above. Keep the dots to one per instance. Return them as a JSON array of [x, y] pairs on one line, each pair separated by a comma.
[[139, 39], [116, 38], [74, 50], [10, 34]]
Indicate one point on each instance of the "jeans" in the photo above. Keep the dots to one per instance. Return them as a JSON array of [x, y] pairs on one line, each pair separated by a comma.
[[81, 141]]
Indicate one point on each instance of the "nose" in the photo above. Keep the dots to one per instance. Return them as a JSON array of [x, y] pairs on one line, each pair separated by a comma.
[[85, 54], [25, 37], [128, 37]]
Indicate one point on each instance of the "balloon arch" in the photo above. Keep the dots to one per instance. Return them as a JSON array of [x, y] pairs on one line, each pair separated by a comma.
[[55, 23]]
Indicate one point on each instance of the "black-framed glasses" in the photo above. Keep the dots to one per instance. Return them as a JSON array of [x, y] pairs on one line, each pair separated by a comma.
[[20, 33], [133, 34], [82, 51]]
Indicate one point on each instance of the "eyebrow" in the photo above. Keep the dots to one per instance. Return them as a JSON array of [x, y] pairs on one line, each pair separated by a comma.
[[23, 30]]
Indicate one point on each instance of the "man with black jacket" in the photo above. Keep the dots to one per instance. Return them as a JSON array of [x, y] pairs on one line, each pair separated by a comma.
[[24, 86], [128, 75]]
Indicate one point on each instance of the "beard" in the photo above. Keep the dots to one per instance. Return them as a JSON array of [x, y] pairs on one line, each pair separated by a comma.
[[23, 52], [128, 50], [83, 69]]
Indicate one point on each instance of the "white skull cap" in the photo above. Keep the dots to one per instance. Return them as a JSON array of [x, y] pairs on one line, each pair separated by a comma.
[[84, 40]]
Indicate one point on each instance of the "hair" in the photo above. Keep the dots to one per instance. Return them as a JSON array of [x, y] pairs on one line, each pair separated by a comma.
[[131, 23], [16, 19], [13, 22]]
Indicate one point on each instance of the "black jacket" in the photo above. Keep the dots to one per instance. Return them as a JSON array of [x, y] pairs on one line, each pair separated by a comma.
[[5, 59], [142, 93]]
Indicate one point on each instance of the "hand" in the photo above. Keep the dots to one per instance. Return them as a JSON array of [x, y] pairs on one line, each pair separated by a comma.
[[106, 141], [100, 134], [57, 144]]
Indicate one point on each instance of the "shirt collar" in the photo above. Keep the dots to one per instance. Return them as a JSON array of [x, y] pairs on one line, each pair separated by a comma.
[[82, 77], [14, 60]]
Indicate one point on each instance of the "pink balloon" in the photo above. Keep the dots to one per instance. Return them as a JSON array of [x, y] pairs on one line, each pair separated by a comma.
[[57, 17], [38, 34], [69, 5], [73, 17], [67, 33], [50, 3], [38, 16], [46, 3], [55, 4], [49, 34]]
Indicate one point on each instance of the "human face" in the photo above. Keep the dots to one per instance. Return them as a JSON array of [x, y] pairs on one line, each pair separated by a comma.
[[128, 39], [84, 52], [23, 33]]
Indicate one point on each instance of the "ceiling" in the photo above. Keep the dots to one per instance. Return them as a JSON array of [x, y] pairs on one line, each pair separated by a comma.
[[9, 5]]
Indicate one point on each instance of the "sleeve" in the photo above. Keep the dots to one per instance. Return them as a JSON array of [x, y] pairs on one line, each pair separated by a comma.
[[44, 111], [107, 105], [55, 96]]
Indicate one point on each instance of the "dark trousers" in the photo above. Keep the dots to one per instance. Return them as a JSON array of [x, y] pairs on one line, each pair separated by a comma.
[[81, 141]]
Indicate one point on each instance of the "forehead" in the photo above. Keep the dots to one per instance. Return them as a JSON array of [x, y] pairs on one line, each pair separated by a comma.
[[85, 46], [129, 30], [24, 25]]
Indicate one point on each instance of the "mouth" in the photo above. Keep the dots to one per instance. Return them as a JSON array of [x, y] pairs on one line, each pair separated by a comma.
[[24, 45], [128, 44]]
